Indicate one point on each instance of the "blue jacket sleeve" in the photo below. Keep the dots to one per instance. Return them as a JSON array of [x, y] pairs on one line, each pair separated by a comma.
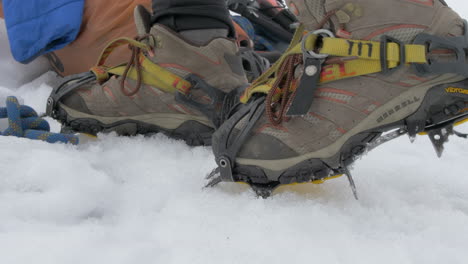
[[36, 27]]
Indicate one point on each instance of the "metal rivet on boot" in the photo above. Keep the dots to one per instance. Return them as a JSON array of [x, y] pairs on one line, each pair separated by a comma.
[[223, 163], [298, 71], [311, 70]]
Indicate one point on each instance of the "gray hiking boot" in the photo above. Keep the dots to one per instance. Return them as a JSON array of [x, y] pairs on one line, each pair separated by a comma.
[[316, 111], [170, 85]]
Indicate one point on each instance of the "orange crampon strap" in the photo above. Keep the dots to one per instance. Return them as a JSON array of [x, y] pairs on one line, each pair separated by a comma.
[[140, 68]]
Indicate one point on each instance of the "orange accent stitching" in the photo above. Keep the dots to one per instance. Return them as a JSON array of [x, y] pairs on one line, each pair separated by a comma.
[[208, 59], [417, 78], [317, 116], [423, 2], [109, 92], [341, 130], [278, 127], [404, 84]]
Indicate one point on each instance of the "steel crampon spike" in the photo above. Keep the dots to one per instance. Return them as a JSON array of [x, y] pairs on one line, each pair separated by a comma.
[[213, 173], [351, 182], [386, 138], [460, 134], [214, 178], [439, 137], [213, 182], [264, 191]]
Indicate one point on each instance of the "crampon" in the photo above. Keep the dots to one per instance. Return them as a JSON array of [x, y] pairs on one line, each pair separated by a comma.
[[432, 108], [439, 134]]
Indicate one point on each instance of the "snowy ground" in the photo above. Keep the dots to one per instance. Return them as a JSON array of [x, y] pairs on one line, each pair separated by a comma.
[[139, 200]]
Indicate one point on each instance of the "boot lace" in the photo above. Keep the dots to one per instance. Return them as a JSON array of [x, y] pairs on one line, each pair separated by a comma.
[[136, 63], [286, 81]]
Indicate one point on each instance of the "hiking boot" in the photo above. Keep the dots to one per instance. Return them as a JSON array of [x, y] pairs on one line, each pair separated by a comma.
[[336, 91], [171, 85]]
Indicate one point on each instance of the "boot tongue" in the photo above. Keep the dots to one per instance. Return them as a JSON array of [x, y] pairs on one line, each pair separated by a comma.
[[142, 20], [203, 36]]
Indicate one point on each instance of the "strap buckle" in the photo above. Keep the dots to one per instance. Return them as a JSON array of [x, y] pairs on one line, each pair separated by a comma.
[[384, 53], [311, 53]]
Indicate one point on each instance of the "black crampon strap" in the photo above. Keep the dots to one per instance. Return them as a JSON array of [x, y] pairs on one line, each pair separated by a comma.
[[458, 45], [254, 63], [220, 106], [68, 85], [229, 144]]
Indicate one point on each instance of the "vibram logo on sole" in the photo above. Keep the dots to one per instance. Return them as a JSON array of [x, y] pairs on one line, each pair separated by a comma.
[[398, 108], [456, 90]]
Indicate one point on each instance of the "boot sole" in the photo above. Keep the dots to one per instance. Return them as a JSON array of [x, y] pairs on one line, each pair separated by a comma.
[[194, 130], [319, 165]]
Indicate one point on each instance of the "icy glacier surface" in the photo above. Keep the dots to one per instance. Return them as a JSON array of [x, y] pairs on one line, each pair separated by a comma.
[[140, 200]]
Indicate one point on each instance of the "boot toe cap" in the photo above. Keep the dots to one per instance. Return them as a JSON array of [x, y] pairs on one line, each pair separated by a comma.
[[266, 147], [76, 102]]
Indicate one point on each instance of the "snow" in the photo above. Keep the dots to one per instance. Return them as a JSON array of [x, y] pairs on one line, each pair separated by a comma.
[[140, 200]]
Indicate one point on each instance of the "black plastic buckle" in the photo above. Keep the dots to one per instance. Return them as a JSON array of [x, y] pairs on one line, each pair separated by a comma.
[[459, 45], [384, 53]]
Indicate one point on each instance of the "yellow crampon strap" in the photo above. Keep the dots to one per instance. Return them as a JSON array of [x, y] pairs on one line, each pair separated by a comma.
[[151, 73], [360, 57]]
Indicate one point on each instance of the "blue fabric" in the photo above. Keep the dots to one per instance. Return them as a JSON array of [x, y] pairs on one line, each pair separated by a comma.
[[261, 43], [36, 27]]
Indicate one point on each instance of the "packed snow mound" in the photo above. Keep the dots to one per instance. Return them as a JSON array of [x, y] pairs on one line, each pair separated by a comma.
[[140, 200], [17, 73]]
